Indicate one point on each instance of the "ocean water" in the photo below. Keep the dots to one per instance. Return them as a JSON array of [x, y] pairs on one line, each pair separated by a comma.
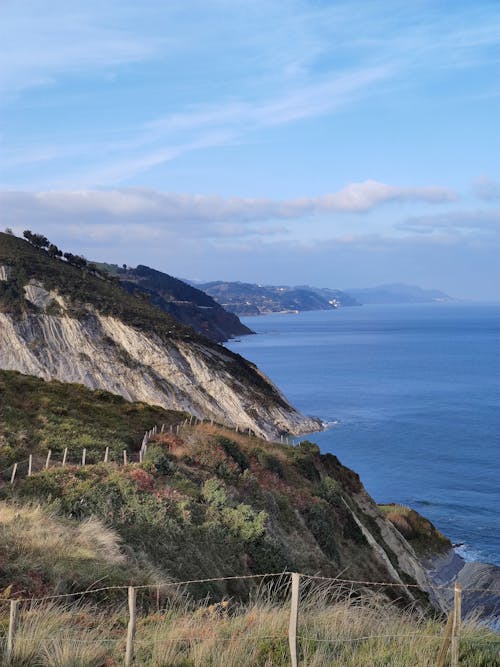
[[412, 393]]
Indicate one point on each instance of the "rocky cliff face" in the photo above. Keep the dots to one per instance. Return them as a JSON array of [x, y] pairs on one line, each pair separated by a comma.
[[102, 351]]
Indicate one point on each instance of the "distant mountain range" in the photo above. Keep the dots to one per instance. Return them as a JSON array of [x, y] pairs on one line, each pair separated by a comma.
[[254, 299], [251, 299], [399, 293]]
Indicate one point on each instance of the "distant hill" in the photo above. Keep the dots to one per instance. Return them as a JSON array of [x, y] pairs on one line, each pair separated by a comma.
[[251, 299], [399, 293], [183, 302]]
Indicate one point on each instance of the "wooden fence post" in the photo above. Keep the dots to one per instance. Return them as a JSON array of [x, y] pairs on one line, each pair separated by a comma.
[[124, 457], [84, 456], [129, 653], [441, 659], [13, 475], [106, 455], [47, 460], [13, 617], [65, 456], [457, 625], [294, 618], [30, 465]]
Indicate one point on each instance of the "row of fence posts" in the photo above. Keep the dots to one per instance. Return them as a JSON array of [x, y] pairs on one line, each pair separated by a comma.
[[451, 636], [175, 429], [142, 452]]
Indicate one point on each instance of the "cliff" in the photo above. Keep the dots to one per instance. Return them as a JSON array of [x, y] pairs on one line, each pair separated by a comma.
[[58, 321], [183, 302]]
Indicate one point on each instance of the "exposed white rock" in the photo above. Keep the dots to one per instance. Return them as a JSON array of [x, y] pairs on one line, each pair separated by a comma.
[[35, 292], [407, 559], [103, 352], [5, 272]]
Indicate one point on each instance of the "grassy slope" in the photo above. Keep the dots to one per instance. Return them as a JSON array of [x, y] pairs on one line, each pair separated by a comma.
[[82, 287], [235, 505], [36, 416], [207, 503]]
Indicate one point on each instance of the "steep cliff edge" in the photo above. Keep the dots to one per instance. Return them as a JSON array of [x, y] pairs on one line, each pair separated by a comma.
[[185, 303], [59, 321]]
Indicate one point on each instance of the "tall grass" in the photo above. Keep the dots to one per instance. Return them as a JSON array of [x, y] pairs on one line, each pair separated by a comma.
[[335, 628]]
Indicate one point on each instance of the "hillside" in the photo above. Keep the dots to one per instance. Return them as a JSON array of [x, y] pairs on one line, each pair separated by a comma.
[[236, 504], [251, 299], [206, 503], [65, 322], [36, 416], [183, 302]]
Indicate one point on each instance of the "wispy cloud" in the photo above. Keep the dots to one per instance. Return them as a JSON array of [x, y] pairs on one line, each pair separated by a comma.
[[487, 189], [44, 41], [287, 61], [473, 223], [165, 139]]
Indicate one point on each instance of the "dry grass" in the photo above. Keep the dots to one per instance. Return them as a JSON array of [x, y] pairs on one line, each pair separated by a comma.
[[42, 554], [334, 629]]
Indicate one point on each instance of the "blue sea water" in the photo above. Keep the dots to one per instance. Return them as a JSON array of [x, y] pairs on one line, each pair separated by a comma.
[[416, 393]]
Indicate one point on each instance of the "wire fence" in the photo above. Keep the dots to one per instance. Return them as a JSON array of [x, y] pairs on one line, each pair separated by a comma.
[[313, 626], [87, 456], [298, 642]]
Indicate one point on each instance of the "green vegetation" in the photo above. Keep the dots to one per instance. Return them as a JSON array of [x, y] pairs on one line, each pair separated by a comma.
[[424, 537], [36, 416], [205, 503]]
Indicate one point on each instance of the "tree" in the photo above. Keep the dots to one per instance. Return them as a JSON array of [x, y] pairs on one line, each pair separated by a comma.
[[54, 251], [38, 240], [76, 260]]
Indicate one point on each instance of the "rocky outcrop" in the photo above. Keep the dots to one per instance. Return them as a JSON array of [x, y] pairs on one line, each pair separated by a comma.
[[393, 549], [480, 585], [103, 352]]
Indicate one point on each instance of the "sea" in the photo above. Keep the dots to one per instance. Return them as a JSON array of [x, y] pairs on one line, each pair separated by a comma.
[[411, 396]]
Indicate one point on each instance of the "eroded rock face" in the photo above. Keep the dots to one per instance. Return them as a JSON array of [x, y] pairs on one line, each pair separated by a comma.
[[389, 539], [5, 272], [102, 352]]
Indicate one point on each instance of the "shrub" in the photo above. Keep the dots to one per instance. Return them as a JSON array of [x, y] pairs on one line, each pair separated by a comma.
[[271, 463], [233, 450], [163, 462]]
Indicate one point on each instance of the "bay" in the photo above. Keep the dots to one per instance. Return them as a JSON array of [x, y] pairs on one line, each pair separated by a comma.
[[412, 395]]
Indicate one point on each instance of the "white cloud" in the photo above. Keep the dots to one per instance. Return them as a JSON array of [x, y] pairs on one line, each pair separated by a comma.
[[147, 206]]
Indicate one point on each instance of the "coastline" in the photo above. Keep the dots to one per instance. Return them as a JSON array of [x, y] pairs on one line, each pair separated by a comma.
[[480, 586]]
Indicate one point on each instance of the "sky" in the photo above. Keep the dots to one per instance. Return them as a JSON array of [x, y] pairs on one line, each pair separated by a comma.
[[337, 144]]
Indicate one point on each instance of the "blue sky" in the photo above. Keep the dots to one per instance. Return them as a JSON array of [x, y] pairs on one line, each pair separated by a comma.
[[331, 143]]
